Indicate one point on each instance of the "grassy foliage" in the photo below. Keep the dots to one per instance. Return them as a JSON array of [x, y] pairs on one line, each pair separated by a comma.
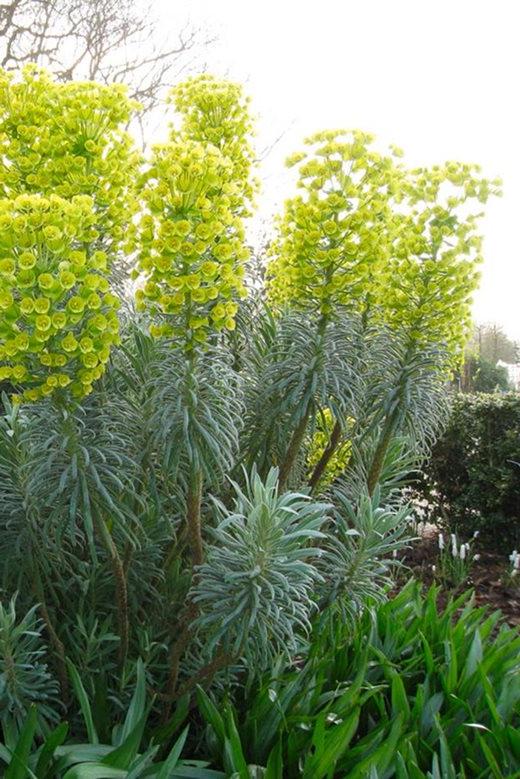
[[415, 691]]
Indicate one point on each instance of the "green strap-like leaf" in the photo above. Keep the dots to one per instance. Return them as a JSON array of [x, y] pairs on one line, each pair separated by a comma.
[[18, 767], [83, 702]]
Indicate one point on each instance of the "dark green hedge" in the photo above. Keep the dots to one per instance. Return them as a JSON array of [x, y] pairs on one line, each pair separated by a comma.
[[474, 471]]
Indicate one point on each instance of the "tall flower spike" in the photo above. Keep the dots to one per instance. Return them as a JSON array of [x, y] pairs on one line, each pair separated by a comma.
[[435, 255], [67, 173], [197, 191], [333, 241], [58, 316], [216, 112], [66, 140]]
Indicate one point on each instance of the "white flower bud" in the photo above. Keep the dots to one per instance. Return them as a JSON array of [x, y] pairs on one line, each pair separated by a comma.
[[476, 557], [441, 541], [463, 552]]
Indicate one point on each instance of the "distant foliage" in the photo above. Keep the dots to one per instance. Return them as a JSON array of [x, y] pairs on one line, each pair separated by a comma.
[[474, 470]]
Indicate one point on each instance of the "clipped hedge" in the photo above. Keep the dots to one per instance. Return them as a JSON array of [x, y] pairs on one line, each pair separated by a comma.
[[473, 476]]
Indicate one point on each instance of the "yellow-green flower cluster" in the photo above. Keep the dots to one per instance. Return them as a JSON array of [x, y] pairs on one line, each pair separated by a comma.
[[332, 246], [217, 113], [192, 251], [192, 238], [368, 233], [436, 253], [67, 139], [57, 316]]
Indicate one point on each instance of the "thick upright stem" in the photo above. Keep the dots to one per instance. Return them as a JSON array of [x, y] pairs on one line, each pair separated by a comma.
[[389, 426], [193, 526], [293, 448], [329, 450], [379, 455], [177, 651], [194, 499], [299, 433], [120, 585], [59, 649]]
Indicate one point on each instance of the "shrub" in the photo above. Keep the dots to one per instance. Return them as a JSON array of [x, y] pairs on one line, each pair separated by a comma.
[[474, 470]]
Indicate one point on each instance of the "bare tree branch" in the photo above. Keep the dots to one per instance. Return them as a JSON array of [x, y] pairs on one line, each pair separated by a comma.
[[103, 40]]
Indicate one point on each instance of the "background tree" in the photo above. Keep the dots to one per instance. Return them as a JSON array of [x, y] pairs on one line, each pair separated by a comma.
[[487, 345], [481, 375], [105, 40], [494, 345]]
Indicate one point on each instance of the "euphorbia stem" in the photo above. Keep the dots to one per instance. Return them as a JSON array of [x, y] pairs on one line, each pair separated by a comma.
[[176, 653], [379, 455], [194, 499], [120, 585], [53, 636], [293, 448], [301, 428], [329, 450], [389, 427], [193, 522]]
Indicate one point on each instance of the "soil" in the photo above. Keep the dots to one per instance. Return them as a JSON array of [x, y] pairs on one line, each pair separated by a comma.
[[488, 577]]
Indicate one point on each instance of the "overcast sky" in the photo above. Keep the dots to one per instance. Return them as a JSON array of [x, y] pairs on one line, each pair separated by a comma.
[[438, 78]]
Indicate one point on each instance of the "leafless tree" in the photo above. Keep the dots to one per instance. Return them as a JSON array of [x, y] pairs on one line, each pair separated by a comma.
[[104, 40]]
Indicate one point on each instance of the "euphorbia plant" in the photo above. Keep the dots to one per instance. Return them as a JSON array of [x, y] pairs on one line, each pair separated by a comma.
[[433, 271], [197, 192], [392, 251], [67, 178], [116, 460], [330, 258]]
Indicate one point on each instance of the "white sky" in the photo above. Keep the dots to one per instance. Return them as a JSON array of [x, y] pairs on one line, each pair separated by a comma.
[[440, 79]]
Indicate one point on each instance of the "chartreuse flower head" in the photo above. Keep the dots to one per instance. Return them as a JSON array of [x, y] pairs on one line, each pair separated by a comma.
[[436, 253], [192, 239], [217, 113], [55, 332], [68, 139], [333, 240]]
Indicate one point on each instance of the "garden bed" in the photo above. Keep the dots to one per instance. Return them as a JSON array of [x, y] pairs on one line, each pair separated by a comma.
[[488, 576]]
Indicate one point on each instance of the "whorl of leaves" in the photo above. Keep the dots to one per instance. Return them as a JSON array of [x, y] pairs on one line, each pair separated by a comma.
[[24, 678], [359, 553], [296, 366], [197, 411], [255, 592]]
